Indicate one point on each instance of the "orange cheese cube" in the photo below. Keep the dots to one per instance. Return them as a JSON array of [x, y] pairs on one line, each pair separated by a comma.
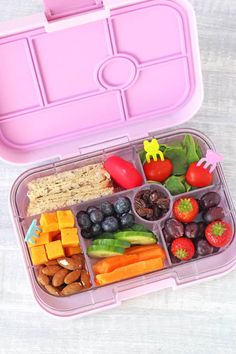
[[65, 219], [69, 251], [44, 237], [57, 237], [38, 255], [69, 237], [49, 222], [54, 250]]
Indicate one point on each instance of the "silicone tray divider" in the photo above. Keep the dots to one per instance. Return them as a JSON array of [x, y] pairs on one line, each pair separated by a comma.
[[163, 242], [84, 249]]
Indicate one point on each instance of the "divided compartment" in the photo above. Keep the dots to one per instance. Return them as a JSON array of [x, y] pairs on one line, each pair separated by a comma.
[[22, 201], [176, 137], [197, 194], [25, 225], [152, 226]]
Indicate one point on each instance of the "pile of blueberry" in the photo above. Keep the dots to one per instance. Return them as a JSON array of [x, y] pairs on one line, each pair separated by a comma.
[[107, 218]]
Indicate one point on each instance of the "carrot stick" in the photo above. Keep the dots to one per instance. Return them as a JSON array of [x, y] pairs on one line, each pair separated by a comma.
[[151, 254], [109, 264], [130, 270], [136, 249]]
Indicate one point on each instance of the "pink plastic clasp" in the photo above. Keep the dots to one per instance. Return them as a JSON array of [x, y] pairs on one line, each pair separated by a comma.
[[55, 9], [211, 159]]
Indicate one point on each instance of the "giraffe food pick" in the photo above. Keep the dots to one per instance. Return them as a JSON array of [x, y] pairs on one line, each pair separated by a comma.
[[33, 232], [156, 169]]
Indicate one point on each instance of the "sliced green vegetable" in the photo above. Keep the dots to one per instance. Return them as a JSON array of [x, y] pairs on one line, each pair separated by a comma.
[[105, 235], [113, 243], [175, 185], [137, 237], [98, 251], [139, 227]]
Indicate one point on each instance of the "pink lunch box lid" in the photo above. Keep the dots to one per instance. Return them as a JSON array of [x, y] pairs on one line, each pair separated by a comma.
[[90, 74]]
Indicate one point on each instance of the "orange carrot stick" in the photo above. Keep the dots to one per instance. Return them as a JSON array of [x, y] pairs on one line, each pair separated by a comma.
[[136, 249], [109, 264], [130, 270], [151, 254]]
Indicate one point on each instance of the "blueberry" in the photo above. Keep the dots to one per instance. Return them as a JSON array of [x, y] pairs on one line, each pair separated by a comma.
[[96, 216], [127, 220], [90, 209], [83, 220], [87, 234], [107, 208], [110, 224], [96, 230], [122, 205]]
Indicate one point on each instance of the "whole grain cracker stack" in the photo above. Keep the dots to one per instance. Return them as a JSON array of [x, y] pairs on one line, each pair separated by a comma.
[[67, 188]]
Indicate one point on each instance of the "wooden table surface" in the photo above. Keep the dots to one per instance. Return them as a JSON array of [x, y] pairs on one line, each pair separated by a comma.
[[197, 319]]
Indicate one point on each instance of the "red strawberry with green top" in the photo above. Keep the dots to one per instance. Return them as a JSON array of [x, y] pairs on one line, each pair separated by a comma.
[[186, 209], [218, 233], [183, 248]]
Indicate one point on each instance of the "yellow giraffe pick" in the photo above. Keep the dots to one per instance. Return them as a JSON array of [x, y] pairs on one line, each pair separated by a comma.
[[152, 149]]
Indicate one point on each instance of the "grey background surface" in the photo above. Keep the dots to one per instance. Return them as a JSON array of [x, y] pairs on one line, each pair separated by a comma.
[[198, 319]]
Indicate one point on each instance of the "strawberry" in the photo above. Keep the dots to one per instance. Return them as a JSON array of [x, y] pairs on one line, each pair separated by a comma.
[[186, 209], [218, 233], [183, 248]]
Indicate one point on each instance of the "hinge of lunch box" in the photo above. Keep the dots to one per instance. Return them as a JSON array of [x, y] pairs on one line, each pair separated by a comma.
[[56, 9], [61, 14]]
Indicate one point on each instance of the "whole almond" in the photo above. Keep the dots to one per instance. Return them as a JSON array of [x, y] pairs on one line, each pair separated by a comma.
[[80, 258], [51, 270], [85, 279], [42, 278], [59, 276], [52, 290], [70, 263], [71, 289], [72, 276], [52, 262]]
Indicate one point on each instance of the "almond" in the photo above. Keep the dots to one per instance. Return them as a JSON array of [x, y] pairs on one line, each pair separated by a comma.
[[59, 276], [42, 278], [52, 262], [52, 290], [51, 270], [80, 258], [70, 263], [71, 289], [72, 276], [85, 279]]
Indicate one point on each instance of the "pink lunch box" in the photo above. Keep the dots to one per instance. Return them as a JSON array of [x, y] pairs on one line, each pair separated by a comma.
[[92, 78]]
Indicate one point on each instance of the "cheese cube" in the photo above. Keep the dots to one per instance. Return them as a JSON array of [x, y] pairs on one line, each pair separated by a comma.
[[69, 251], [38, 255], [44, 237], [65, 219], [49, 222], [69, 237], [54, 250]]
